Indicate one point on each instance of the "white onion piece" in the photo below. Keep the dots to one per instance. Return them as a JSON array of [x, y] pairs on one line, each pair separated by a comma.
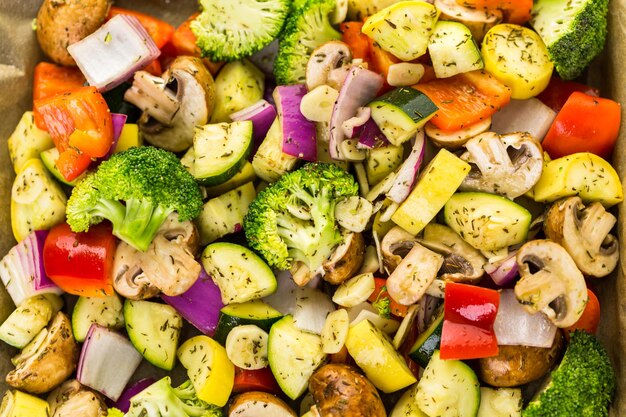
[[284, 299], [107, 361], [312, 307], [359, 88], [503, 272], [354, 125], [403, 183], [515, 326], [113, 53], [530, 116]]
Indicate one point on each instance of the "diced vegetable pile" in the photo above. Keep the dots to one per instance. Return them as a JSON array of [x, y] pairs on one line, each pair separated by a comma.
[[316, 208]]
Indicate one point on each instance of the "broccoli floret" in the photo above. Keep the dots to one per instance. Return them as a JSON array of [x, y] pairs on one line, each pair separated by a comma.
[[382, 305], [574, 32], [162, 400], [582, 385], [306, 29], [135, 190], [234, 29], [294, 218]]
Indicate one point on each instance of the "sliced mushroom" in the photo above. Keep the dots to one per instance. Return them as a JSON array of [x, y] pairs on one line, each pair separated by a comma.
[[74, 399], [48, 360], [455, 139], [168, 265], [173, 104], [345, 260], [129, 280], [550, 282], [259, 404], [584, 231], [395, 245], [508, 165], [461, 263], [414, 275], [329, 56], [477, 20]]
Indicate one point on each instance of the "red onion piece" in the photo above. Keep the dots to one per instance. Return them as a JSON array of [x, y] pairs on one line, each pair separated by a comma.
[[515, 326], [371, 135], [354, 125], [200, 305], [107, 361], [123, 403], [503, 272], [22, 270], [119, 120], [405, 178], [262, 115], [299, 134], [113, 53], [359, 88]]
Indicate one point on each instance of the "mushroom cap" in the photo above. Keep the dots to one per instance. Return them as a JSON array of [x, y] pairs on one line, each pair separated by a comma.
[[550, 282], [395, 245], [324, 59], [51, 363], [584, 231], [195, 90], [168, 265], [346, 260], [74, 399], [508, 165]]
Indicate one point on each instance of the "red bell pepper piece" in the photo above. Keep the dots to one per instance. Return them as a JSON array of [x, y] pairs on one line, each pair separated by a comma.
[[558, 91], [469, 314], [255, 380], [590, 318], [50, 80], [383, 302], [514, 11], [465, 99], [80, 125], [160, 31], [80, 263], [584, 124]]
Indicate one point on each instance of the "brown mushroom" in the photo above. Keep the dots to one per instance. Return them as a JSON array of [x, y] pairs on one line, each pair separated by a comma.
[[584, 232], [508, 165], [48, 360], [550, 282], [168, 265], [339, 390], [519, 365], [259, 404], [173, 104], [345, 260], [395, 245], [62, 23], [73, 399], [462, 262]]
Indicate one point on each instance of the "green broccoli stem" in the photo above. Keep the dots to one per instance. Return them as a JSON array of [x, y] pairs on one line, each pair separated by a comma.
[[136, 223]]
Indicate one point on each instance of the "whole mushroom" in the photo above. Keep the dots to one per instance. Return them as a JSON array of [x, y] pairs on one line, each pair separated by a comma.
[[168, 265], [508, 165], [584, 231], [173, 104], [48, 360], [329, 56], [346, 260], [73, 399], [550, 282]]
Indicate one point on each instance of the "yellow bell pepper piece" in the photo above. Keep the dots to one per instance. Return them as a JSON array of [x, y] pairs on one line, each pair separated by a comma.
[[128, 138], [19, 404]]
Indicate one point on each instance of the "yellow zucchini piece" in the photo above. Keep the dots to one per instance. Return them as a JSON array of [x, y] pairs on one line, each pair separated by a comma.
[[403, 29], [239, 84], [211, 372], [27, 141], [453, 50], [224, 214], [37, 200], [584, 174], [360, 9], [438, 181], [20, 404], [128, 138], [376, 356], [517, 57]]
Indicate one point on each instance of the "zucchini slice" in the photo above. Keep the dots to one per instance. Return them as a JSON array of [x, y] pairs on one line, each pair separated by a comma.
[[220, 150], [240, 273], [428, 341], [105, 311], [253, 312], [154, 330], [453, 50], [246, 347], [401, 112]]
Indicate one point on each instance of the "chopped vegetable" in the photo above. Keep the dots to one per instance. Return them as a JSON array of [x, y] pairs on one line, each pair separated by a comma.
[[20, 404], [51, 79], [299, 135], [151, 182], [111, 54], [161, 32], [27, 141], [27, 320]]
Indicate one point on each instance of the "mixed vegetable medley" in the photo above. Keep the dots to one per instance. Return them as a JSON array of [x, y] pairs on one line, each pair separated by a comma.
[[316, 208]]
